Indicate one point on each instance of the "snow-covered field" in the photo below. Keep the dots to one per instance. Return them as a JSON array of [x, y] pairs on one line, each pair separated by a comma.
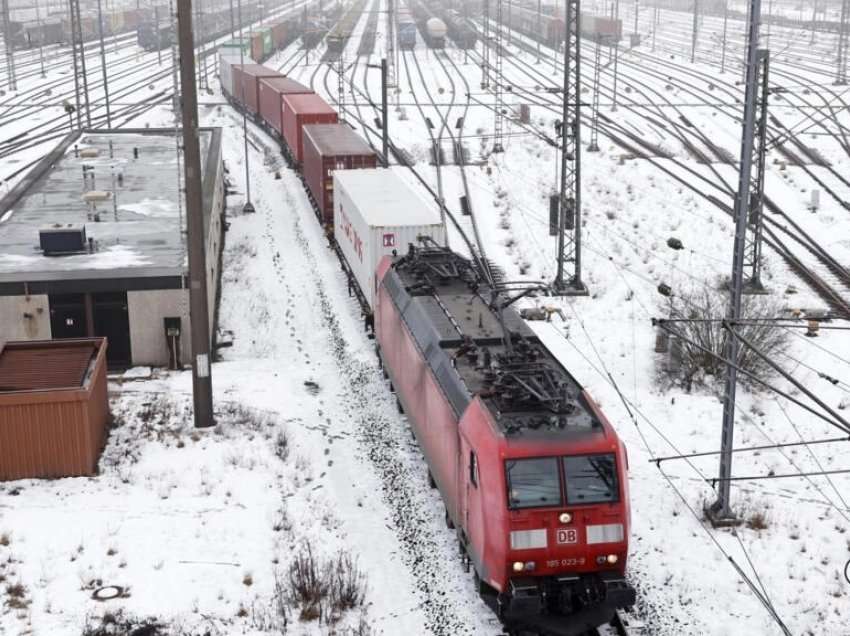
[[199, 528]]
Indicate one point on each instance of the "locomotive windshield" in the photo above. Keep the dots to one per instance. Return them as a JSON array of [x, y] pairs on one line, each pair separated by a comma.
[[533, 483], [536, 483], [591, 479]]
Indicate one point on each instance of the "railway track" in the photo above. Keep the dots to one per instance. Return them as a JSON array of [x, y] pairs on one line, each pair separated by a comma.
[[826, 290]]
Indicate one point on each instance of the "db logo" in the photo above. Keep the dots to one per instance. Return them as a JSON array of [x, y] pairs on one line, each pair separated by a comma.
[[389, 240], [567, 535]]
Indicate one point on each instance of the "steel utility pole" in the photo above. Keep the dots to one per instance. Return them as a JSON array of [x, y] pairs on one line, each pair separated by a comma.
[[498, 130], [75, 8], [814, 17], [723, 46], [385, 123], [654, 27], [10, 49], [755, 219], [391, 36], [76, 73], [594, 113], [485, 44], [248, 207], [694, 32], [616, 44], [720, 512], [569, 203], [199, 310], [539, 2], [103, 64], [843, 37], [40, 39], [637, 13]]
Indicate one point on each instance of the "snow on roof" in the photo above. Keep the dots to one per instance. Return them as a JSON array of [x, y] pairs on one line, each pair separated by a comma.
[[139, 234], [384, 199], [336, 139]]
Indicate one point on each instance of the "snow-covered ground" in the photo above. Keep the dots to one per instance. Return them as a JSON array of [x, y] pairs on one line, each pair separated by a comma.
[[198, 526]]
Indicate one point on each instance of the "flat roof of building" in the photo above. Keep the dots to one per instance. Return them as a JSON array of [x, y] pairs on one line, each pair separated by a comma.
[[137, 236], [44, 365]]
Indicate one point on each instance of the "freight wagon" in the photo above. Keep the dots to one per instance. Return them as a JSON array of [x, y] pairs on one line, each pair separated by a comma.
[[298, 111], [327, 148], [376, 214], [272, 90]]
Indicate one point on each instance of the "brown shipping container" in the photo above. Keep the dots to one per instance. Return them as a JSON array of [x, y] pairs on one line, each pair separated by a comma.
[[246, 77], [279, 33], [272, 90], [329, 147], [257, 46], [53, 407], [298, 111]]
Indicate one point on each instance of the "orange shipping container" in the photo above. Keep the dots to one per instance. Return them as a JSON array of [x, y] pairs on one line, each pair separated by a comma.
[[53, 407]]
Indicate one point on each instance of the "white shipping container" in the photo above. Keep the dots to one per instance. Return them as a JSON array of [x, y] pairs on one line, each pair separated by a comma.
[[227, 57], [375, 213]]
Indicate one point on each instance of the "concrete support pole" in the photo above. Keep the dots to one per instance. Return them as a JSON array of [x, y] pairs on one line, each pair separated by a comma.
[[199, 310]]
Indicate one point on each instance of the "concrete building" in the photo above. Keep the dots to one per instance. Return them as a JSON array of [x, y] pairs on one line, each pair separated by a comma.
[[93, 243]]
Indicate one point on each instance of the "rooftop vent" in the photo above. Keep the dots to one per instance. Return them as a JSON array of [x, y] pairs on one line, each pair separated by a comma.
[[62, 239], [96, 196], [88, 153]]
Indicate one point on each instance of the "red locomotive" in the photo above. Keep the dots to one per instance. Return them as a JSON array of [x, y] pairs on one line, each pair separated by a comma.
[[533, 476]]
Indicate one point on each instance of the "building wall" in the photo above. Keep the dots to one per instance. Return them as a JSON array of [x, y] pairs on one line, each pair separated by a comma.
[[147, 310], [14, 323]]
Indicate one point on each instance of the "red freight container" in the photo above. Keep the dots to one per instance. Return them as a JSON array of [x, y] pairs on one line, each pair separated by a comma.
[[257, 46], [272, 90], [279, 33], [298, 111], [246, 78], [329, 147]]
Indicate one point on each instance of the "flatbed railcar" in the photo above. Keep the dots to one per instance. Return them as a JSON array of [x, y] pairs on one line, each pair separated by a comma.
[[532, 474]]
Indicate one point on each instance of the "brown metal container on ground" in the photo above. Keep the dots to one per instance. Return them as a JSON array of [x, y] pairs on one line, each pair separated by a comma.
[[246, 79], [329, 147], [53, 407], [272, 90], [298, 111]]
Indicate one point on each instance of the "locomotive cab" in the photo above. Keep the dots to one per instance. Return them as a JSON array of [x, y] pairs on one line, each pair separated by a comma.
[[567, 545]]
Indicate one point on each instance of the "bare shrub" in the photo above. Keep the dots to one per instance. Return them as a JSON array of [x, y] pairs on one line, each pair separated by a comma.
[[306, 583], [5, 539], [757, 521], [346, 583], [325, 590], [281, 445], [117, 623], [697, 357]]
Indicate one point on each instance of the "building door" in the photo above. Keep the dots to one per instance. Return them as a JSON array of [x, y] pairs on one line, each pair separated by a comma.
[[68, 315], [111, 320]]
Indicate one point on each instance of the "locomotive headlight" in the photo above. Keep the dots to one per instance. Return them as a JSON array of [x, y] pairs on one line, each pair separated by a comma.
[[612, 559], [565, 517], [519, 566]]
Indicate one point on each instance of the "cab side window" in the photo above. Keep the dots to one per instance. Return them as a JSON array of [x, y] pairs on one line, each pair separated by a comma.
[[473, 468]]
